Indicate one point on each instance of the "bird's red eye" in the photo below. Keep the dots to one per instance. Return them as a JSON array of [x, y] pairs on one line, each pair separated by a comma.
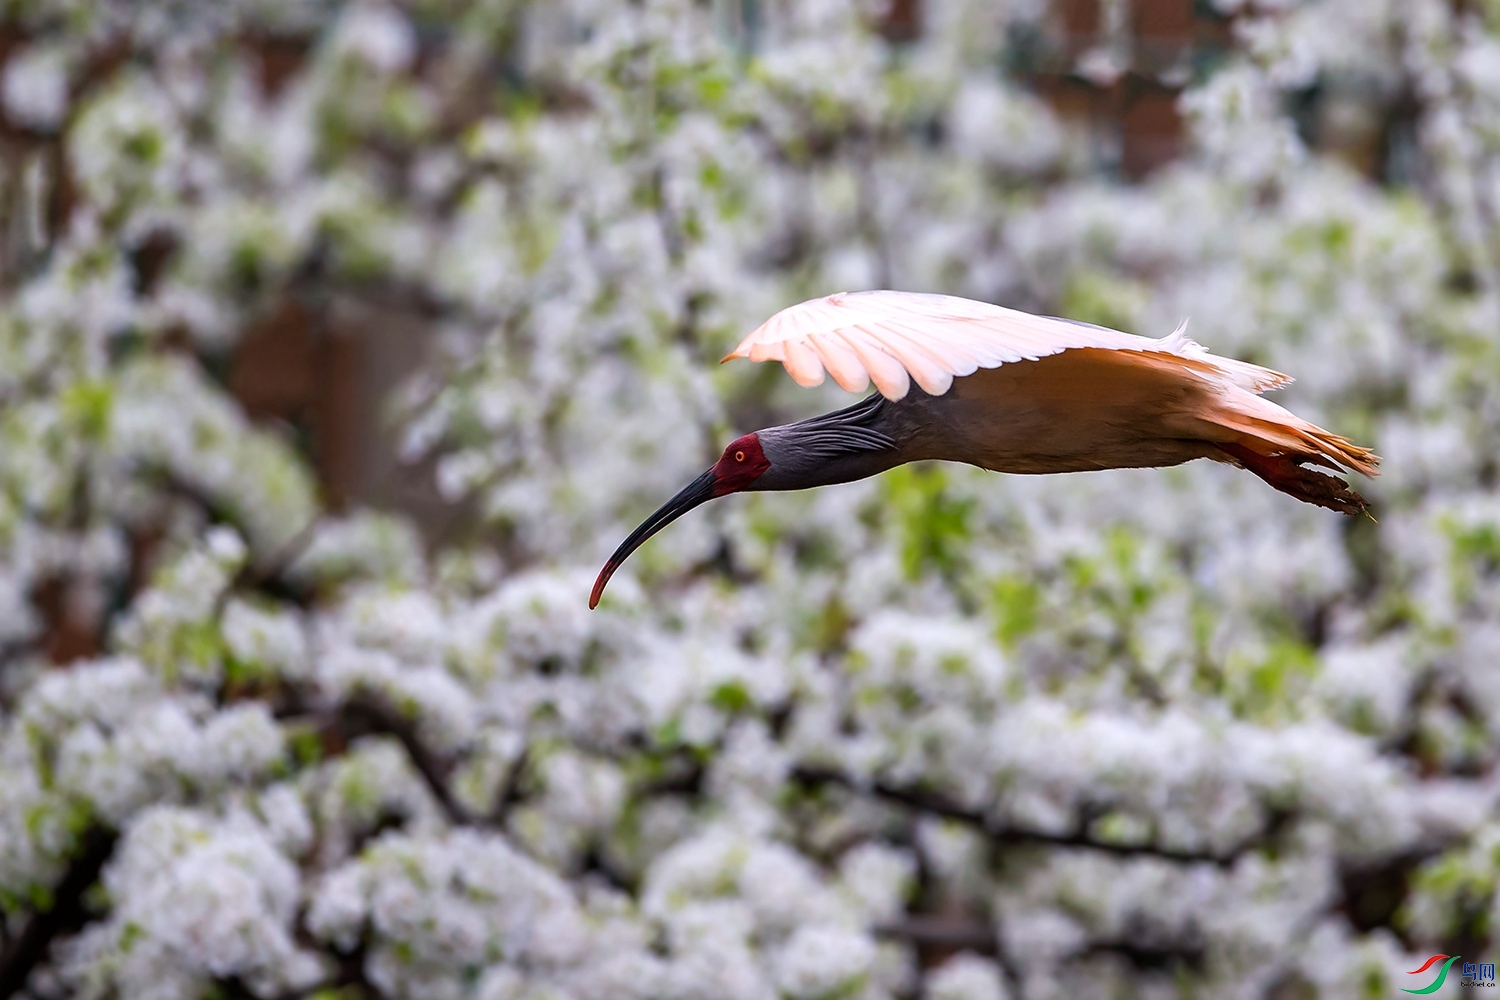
[[739, 456]]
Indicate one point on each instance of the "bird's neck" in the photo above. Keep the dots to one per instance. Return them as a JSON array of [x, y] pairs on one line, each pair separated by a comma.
[[853, 443]]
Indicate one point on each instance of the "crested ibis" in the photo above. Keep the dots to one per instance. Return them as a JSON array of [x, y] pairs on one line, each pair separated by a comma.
[[1010, 392]]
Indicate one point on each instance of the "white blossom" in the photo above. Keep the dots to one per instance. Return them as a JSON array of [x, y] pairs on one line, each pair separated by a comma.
[[36, 86], [966, 977]]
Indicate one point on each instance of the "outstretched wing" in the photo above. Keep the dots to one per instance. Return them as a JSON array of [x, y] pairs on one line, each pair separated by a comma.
[[891, 338]]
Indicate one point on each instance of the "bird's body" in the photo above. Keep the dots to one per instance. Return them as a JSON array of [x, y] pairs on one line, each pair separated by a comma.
[[1010, 392], [1070, 412]]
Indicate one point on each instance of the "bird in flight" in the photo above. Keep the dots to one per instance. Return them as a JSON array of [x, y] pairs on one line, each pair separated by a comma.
[[1010, 392]]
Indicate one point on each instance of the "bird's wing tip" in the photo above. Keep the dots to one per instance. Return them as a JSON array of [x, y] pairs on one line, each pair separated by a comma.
[[741, 350]]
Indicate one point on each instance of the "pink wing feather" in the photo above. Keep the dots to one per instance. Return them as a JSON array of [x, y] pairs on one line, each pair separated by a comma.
[[893, 338]]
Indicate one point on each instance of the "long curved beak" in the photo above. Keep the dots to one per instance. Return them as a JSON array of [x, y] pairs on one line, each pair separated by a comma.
[[698, 491]]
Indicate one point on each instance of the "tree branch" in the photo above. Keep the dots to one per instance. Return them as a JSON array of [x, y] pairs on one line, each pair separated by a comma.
[[939, 933], [983, 939], [936, 804], [367, 712], [511, 791], [28, 949]]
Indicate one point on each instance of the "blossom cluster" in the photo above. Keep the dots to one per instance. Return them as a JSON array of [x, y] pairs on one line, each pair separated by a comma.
[[938, 734]]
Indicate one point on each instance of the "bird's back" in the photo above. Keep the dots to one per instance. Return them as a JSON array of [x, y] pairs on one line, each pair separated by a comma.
[[1074, 411]]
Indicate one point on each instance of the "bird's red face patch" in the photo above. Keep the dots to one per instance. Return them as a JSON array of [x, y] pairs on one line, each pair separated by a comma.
[[741, 464]]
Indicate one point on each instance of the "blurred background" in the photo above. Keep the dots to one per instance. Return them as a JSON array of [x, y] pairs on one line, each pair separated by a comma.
[[341, 342]]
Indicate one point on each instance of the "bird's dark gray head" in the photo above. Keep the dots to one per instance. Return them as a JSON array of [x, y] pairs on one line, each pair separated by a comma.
[[837, 447]]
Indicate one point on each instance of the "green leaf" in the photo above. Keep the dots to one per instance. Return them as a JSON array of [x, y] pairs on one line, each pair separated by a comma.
[[1017, 606], [935, 529], [731, 697], [88, 406]]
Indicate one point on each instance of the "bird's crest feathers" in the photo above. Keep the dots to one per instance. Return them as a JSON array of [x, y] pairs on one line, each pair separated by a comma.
[[845, 432]]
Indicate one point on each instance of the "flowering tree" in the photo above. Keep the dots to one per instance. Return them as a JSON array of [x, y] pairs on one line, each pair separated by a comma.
[[939, 734]]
